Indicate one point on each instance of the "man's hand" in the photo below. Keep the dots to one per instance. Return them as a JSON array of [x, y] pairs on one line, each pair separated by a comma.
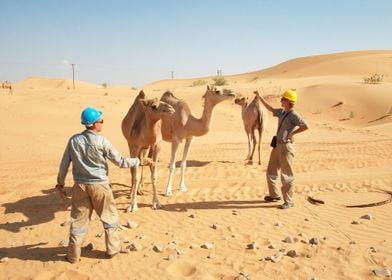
[[60, 188], [146, 161]]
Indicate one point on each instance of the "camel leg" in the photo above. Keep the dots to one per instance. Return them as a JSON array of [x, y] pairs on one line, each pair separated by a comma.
[[133, 205], [154, 177], [187, 148], [259, 146], [249, 158], [141, 180], [172, 167], [253, 137]]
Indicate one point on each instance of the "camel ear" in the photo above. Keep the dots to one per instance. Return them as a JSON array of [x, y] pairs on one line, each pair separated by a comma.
[[208, 87]]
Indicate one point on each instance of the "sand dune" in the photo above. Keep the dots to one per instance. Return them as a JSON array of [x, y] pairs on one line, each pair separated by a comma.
[[343, 160]]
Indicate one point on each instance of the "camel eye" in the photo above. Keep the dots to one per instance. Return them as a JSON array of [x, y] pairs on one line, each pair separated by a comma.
[[217, 92], [154, 106]]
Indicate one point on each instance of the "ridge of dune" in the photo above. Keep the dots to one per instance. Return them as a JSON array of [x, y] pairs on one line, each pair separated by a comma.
[[342, 63], [54, 83], [361, 63]]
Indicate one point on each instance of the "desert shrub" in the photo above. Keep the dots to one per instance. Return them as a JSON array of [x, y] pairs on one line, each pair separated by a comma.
[[373, 79], [104, 85], [220, 81], [198, 83], [351, 115]]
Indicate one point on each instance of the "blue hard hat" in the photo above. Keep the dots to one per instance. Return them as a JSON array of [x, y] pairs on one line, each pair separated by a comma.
[[90, 115]]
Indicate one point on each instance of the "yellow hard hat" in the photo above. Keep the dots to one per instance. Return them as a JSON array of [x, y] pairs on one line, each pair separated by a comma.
[[290, 95]]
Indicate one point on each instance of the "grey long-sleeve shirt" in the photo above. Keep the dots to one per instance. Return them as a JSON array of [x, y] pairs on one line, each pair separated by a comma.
[[88, 152]]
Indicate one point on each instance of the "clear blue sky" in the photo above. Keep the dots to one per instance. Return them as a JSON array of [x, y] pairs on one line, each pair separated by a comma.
[[137, 42]]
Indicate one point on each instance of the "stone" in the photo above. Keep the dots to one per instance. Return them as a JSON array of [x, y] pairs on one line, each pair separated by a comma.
[[157, 248], [292, 253], [4, 260], [289, 239], [193, 216], [314, 241], [180, 252], [135, 246], [367, 217], [278, 224], [253, 245], [355, 222], [382, 272], [207, 246], [215, 226], [272, 246], [131, 224]]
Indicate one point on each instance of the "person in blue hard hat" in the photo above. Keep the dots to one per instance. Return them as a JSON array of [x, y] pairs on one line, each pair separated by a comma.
[[88, 152]]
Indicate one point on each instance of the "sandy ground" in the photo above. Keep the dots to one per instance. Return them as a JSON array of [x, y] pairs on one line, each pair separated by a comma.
[[345, 159]]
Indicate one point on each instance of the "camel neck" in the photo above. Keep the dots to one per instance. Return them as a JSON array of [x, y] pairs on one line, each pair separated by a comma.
[[206, 117]]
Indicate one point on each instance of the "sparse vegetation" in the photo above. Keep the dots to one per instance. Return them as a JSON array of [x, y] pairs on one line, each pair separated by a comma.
[[220, 81], [198, 83], [351, 115], [104, 85], [390, 111], [373, 79]]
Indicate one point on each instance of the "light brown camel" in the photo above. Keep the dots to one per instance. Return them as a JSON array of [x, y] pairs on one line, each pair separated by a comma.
[[253, 117], [7, 85], [183, 125], [141, 128]]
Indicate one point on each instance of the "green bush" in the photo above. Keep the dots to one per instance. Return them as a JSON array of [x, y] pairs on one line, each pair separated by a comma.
[[198, 83], [220, 81], [373, 79]]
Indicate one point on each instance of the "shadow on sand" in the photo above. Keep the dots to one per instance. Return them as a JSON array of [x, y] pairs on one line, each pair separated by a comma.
[[38, 209]]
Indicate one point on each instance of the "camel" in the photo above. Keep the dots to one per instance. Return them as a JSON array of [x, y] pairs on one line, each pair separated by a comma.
[[140, 128], [7, 85], [253, 117], [183, 125]]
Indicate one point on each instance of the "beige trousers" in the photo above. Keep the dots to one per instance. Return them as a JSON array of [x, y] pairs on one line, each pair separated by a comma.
[[85, 199], [282, 157]]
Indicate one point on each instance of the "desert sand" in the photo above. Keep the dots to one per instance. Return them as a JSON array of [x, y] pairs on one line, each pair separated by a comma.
[[344, 159]]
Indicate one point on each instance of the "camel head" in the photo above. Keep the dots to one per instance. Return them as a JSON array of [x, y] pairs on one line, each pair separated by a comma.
[[156, 107], [241, 100], [216, 94]]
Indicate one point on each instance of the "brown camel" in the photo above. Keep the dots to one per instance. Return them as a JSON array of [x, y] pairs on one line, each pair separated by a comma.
[[7, 85], [183, 125], [254, 118], [141, 128]]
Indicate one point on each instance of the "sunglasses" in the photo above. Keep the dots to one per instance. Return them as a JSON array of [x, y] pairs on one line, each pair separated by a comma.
[[101, 121]]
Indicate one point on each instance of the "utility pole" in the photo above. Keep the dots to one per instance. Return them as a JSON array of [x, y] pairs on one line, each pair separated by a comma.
[[172, 74], [73, 75]]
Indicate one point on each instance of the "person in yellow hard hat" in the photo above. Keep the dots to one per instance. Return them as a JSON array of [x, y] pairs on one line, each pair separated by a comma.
[[283, 150], [88, 151]]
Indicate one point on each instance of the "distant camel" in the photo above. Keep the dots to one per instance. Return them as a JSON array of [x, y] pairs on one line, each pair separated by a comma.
[[183, 125], [7, 85], [141, 128], [253, 118]]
